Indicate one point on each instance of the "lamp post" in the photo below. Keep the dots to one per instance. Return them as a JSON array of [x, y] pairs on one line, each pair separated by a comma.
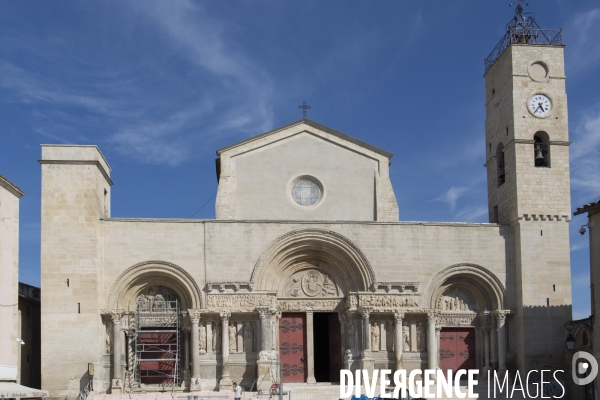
[[570, 325]]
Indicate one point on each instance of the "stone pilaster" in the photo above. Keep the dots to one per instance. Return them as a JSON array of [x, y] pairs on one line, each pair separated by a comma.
[[310, 348]]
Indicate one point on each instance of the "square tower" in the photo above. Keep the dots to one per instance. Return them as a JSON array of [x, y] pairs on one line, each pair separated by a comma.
[[528, 184]]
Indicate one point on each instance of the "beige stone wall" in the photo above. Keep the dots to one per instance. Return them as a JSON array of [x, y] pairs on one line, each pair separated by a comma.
[[75, 193], [257, 176], [9, 279]]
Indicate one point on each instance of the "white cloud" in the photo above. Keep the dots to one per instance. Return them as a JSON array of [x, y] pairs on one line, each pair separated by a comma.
[[452, 195], [579, 246], [472, 214]]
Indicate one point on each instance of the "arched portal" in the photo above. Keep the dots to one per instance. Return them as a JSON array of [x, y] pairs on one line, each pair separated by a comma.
[[311, 270], [152, 296], [341, 264]]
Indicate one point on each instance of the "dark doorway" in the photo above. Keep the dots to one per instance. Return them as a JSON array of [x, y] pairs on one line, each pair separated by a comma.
[[327, 344]]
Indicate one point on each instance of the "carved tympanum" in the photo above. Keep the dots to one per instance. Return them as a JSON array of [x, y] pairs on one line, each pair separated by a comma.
[[457, 299], [310, 283], [156, 298]]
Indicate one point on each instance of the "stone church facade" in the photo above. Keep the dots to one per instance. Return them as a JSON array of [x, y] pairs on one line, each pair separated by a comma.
[[307, 262]]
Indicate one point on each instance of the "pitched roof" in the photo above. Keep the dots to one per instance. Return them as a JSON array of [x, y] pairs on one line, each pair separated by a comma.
[[314, 125], [11, 187], [587, 207]]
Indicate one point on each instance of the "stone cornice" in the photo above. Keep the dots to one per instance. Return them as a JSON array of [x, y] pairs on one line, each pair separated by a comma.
[[81, 162], [11, 187]]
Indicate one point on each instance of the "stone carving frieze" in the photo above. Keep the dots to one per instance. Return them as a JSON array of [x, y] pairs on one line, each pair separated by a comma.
[[387, 302], [456, 320], [310, 283], [240, 302], [457, 299], [310, 305]]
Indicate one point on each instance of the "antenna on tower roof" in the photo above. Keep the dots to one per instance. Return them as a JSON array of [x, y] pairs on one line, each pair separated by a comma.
[[522, 29]]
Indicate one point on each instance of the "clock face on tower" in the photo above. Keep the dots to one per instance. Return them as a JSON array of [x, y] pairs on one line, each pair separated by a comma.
[[540, 105]]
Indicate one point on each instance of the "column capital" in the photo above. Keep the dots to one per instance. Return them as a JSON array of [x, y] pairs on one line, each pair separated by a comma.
[[431, 316], [398, 316], [194, 315], [501, 316], [225, 316], [264, 312], [365, 311], [114, 315]]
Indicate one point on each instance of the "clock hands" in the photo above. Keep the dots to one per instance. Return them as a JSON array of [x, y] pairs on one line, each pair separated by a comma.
[[540, 107]]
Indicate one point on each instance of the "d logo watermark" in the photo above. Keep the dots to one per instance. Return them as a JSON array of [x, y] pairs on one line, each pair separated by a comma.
[[578, 369]]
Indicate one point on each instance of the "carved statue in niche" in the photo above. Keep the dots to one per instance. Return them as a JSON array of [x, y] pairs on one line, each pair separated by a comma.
[[389, 338], [351, 334], [310, 283], [457, 299], [216, 338], [405, 338], [108, 339], [248, 337], [420, 336], [202, 338], [374, 336], [232, 337]]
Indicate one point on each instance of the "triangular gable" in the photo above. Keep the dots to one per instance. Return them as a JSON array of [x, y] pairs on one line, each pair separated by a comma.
[[305, 125]]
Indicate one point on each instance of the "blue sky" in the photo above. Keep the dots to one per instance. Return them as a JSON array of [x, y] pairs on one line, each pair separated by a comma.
[[159, 86]]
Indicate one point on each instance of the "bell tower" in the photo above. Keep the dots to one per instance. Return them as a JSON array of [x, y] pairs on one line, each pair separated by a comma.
[[527, 161]]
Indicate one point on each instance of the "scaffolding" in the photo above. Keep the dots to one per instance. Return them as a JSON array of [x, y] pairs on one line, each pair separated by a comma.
[[156, 342]]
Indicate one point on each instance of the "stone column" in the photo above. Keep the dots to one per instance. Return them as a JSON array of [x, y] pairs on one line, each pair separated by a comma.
[[500, 323], [310, 348], [366, 313], [368, 362], [265, 355], [195, 344], [343, 333], [225, 383], [398, 345], [186, 348], [117, 373], [186, 356], [493, 345], [431, 344], [486, 351]]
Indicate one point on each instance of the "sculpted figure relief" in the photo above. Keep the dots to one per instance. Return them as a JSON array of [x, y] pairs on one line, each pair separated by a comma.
[[387, 302], [216, 338], [310, 283], [374, 337], [248, 337], [232, 337], [156, 298], [457, 299], [202, 338], [405, 338]]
